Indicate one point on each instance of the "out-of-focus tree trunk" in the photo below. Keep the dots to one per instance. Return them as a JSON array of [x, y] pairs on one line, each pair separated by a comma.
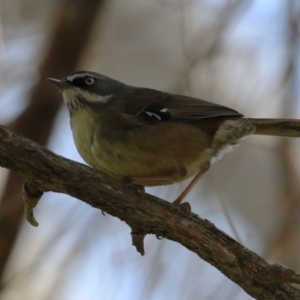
[[73, 23]]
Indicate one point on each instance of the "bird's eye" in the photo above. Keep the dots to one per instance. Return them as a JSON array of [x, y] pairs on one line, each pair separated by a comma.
[[89, 81]]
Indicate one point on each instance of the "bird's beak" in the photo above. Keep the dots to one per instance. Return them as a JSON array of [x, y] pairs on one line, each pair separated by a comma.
[[61, 84]]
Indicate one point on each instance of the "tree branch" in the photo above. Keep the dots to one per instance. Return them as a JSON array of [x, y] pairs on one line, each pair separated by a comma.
[[146, 214]]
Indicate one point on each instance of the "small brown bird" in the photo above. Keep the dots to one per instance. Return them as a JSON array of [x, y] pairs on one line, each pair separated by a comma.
[[151, 137]]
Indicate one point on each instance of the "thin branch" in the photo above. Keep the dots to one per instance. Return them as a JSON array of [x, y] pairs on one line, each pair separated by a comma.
[[146, 214]]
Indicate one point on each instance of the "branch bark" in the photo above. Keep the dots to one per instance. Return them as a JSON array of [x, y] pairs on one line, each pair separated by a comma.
[[146, 214]]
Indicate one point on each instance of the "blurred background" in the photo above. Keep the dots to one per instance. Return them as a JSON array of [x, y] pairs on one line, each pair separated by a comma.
[[240, 53]]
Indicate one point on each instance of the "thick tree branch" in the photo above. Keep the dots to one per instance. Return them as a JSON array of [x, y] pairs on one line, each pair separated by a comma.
[[146, 214]]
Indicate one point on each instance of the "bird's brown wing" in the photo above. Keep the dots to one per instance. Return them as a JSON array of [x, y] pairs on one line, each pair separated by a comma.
[[153, 106]]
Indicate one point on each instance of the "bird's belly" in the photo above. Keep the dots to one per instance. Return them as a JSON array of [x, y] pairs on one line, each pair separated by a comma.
[[181, 150], [178, 151], [124, 160]]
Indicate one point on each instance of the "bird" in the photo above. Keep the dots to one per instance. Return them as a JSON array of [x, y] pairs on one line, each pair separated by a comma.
[[149, 137]]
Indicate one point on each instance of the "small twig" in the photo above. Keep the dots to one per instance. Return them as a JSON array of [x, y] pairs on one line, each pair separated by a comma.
[[31, 195], [138, 241]]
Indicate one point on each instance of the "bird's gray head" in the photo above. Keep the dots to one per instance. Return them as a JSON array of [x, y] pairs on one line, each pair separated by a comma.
[[87, 88]]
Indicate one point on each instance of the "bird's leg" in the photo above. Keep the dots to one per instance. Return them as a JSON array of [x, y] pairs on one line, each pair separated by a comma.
[[192, 184]]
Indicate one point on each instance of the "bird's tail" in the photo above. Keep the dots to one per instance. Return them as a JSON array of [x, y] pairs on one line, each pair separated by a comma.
[[277, 127]]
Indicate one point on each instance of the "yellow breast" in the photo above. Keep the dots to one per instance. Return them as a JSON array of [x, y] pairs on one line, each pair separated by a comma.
[[83, 127]]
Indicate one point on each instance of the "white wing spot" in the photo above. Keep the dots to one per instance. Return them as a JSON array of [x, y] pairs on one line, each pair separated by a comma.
[[164, 110], [153, 115]]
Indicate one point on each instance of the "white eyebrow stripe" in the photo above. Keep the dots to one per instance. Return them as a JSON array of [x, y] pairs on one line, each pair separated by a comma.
[[74, 76]]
